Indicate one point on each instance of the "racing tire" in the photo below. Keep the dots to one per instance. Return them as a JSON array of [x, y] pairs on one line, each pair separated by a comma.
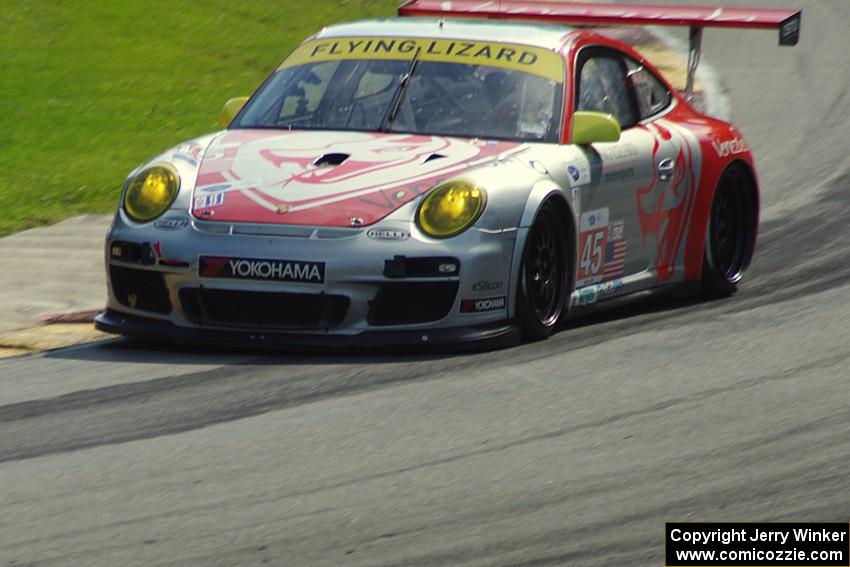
[[730, 236], [544, 275]]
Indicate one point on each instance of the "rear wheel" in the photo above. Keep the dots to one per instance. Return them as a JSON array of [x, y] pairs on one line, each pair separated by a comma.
[[730, 236], [544, 275]]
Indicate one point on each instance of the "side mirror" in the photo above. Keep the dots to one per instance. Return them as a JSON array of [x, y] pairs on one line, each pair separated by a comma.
[[231, 109], [591, 127]]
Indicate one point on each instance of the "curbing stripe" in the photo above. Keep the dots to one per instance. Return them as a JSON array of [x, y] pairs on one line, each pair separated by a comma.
[[48, 337]]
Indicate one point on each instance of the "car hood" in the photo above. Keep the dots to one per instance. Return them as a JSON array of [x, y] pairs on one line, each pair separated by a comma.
[[324, 178]]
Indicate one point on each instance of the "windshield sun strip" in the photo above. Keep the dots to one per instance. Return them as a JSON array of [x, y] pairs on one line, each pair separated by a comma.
[[535, 60]]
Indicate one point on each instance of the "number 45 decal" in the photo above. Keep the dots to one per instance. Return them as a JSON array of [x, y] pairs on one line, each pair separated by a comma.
[[591, 255], [593, 237]]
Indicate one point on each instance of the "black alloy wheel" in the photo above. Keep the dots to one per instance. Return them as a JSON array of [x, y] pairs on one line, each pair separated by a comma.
[[731, 226], [544, 275]]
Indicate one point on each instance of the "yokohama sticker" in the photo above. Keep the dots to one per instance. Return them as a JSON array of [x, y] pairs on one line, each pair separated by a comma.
[[480, 305], [260, 269]]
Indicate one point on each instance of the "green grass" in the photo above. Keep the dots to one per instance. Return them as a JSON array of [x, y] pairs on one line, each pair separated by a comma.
[[91, 88]]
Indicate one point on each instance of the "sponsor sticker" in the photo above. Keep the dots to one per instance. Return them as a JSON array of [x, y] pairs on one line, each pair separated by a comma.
[[261, 269], [610, 288], [594, 220], [623, 150], [729, 147], [480, 305], [597, 292], [587, 295], [576, 193], [208, 201], [615, 231], [535, 60], [388, 234], [484, 285], [617, 175], [171, 223]]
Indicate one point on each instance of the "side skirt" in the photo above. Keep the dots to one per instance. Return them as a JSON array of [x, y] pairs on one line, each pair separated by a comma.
[[617, 287]]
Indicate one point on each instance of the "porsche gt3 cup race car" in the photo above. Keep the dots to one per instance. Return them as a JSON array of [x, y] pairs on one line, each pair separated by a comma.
[[439, 179]]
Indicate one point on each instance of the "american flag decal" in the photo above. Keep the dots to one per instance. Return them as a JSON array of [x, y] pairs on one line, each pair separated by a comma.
[[615, 259]]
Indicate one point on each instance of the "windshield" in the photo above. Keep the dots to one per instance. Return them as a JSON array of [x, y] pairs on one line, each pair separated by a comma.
[[502, 93]]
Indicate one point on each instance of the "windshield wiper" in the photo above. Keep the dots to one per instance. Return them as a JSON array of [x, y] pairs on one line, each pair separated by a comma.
[[395, 105]]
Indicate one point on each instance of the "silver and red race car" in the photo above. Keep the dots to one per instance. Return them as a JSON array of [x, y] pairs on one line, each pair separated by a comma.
[[440, 179]]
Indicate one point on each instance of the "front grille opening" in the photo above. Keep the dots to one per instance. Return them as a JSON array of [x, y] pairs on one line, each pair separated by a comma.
[[140, 289], [406, 303], [132, 252], [437, 267], [263, 309]]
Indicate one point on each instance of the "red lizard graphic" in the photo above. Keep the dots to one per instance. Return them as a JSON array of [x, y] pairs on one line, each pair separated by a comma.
[[664, 212]]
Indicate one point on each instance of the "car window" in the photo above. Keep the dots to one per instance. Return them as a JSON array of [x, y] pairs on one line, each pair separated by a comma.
[[477, 100], [602, 87], [372, 83], [467, 89], [652, 95], [442, 98], [306, 90]]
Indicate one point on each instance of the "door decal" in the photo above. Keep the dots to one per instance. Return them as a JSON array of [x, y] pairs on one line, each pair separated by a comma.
[[664, 207], [601, 249]]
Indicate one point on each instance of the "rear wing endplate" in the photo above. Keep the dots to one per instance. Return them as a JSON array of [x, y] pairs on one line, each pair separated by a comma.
[[787, 21]]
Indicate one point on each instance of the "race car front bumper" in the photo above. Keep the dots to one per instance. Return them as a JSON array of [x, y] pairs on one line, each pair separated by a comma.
[[277, 288], [482, 337]]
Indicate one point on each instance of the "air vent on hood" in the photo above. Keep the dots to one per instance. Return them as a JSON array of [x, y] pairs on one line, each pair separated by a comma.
[[432, 157], [329, 160]]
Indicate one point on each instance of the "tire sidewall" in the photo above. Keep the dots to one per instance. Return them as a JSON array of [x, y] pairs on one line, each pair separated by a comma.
[[531, 328], [715, 283]]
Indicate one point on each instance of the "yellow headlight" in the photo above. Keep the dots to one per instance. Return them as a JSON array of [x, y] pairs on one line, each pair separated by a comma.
[[151, 192], [451, 208]]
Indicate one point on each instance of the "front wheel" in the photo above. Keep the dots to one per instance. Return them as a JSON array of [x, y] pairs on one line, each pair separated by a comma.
[[544, 276], [730, 236]]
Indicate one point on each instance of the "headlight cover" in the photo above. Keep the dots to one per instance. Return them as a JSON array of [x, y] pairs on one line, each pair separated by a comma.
[[151, 192], [451, 208]]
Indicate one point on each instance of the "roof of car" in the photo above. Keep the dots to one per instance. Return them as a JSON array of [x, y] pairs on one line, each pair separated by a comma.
[[537, 35]]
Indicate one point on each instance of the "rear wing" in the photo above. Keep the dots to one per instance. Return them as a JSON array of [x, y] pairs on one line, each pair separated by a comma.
[[787, 21]]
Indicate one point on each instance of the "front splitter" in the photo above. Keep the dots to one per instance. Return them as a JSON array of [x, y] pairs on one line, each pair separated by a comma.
[[452, 339]]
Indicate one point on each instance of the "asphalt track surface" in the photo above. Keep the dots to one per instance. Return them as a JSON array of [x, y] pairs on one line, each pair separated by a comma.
[[574, 451]]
